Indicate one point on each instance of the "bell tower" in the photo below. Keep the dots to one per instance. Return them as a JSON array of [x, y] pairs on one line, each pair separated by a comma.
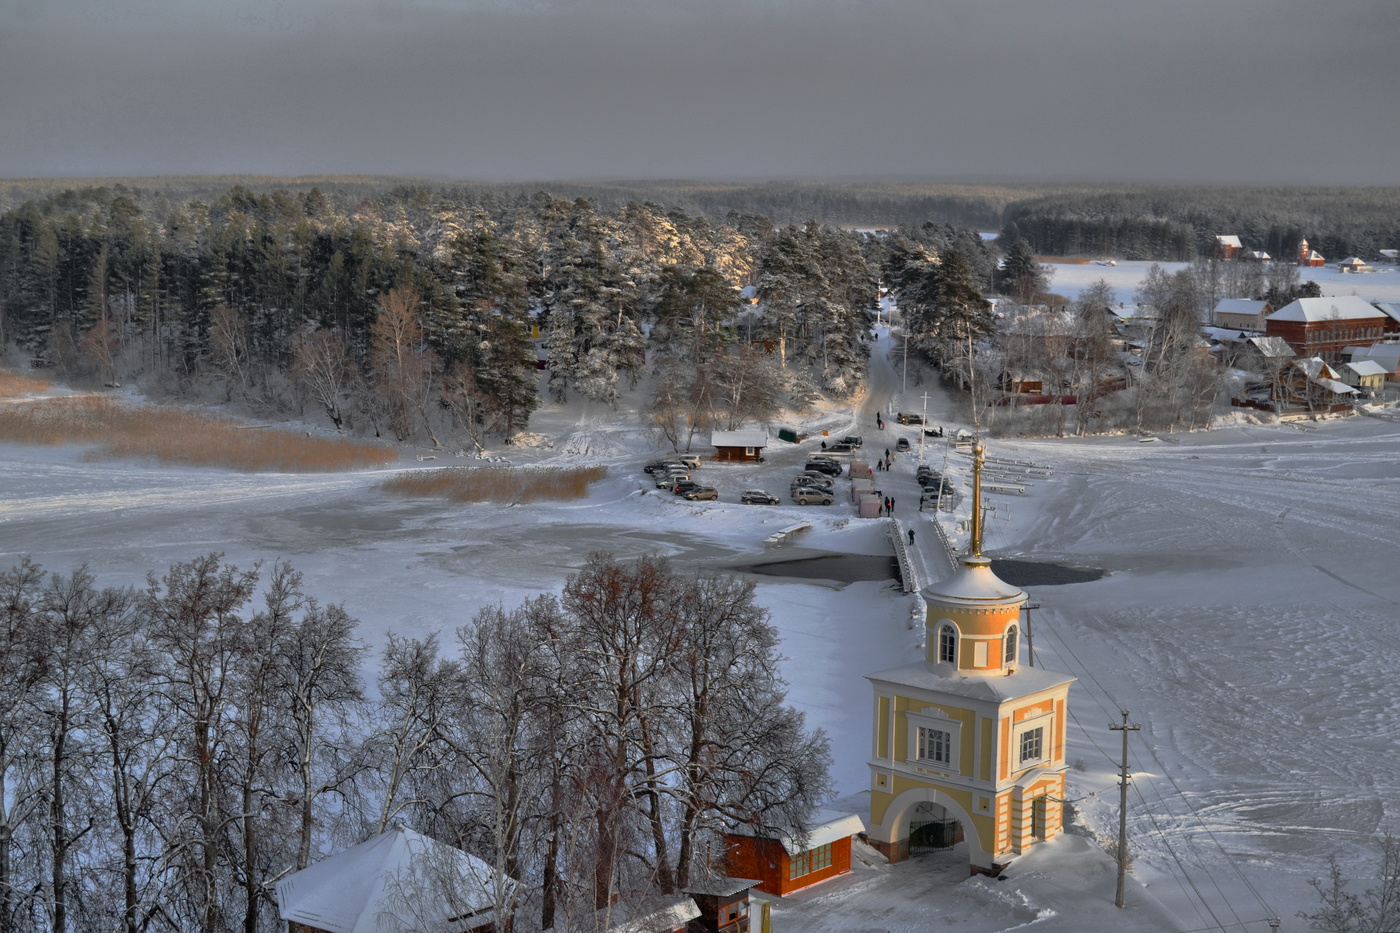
[[968, 735]]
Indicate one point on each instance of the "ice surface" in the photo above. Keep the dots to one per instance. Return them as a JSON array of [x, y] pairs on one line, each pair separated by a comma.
[[1248, 622]]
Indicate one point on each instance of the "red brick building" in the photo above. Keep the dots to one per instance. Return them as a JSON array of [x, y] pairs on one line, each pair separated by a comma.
[[1324, 327]]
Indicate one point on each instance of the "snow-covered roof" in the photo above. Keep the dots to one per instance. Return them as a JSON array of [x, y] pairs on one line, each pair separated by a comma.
[[1389, 308], [1337, 386], [749, 438], [1352, 261], [1391, 254], [1386, 354], [1259, 254], [944, 678], [1240, 306], [1367, 368], [1335, 308], [398, 875], [1272, 347], [1229, 241], [973, 583], [832, 826], [653, 915], [1315, 369]]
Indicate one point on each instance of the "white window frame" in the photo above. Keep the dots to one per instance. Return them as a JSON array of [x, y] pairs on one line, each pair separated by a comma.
[[1010, 647], [934, 719], [1045, 723], [947, 625]]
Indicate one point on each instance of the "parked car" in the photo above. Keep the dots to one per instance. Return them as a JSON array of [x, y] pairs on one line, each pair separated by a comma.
[[804, 483], [902, 445], [669, 480], [829, 467], [685, 486], [840, 447], [758, 497], [926, 473], [690, 460], [905, 417], [663, 465], [806, 495], [821, 479], [700, 492], [854, 440]]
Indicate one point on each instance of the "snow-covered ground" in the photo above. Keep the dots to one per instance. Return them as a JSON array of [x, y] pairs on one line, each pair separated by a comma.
[[1248, 621], [1069, 279]]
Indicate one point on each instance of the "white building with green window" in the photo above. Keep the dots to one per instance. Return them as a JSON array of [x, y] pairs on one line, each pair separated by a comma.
[[969, 739]]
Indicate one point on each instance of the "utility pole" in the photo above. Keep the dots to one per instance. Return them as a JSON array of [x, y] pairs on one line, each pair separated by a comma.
[[1030, 640], [1123, 805], [923, 429]]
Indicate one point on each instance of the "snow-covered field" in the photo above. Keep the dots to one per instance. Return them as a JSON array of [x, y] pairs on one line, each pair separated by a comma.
[[1069, 279], [1248, 621]]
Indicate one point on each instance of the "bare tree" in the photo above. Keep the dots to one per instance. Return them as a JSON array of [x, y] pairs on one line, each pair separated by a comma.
[[403, 365], [195, 623], [22, 667], [1376, 910], [323, 370]]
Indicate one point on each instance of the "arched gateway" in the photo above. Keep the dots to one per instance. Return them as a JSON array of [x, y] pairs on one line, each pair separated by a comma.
[[969, 728]]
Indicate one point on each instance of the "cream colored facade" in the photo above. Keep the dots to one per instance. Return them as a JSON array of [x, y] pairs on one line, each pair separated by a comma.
[[971, 728]]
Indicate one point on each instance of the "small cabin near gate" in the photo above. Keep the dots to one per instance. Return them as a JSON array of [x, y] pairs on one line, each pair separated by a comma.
[[739, 446], [723, 903], [782, 864]]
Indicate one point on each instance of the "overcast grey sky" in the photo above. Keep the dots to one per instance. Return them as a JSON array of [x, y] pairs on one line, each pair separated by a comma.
[[1264, 91]]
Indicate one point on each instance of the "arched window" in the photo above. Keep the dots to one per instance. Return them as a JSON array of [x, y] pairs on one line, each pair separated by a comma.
[[1010, 656], [948, 644]]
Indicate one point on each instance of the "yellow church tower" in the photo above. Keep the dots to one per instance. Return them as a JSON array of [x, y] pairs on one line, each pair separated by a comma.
[[969, 739]]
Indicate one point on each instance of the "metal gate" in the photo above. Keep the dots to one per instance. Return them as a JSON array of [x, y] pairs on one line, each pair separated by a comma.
[[932, 835]]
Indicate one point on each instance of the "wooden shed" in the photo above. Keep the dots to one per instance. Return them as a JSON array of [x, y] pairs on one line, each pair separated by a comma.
[[723, 904], [739, 446], [782, 865]]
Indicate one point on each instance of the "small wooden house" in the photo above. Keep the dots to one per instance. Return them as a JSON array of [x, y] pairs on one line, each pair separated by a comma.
[[739, 446], [1367, 375], [1353, 264], [396, 880], [723, 903], [1307, 256], [1241, 314], [784, 864]]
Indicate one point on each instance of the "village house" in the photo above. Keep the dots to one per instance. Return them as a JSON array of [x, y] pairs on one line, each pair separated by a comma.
[[1353, 264], [1385, 355], [1228, 247], [1241, 314], [969, 741], [1391, 310], [784, 863], [1324, 327], [1367, 375], [1309, 257], [739, 446], [1311, 385]]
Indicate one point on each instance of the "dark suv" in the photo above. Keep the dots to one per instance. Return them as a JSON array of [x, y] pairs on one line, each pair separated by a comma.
[[829, 467]]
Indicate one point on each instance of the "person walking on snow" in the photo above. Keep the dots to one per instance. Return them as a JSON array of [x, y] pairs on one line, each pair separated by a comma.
[[911, 537]]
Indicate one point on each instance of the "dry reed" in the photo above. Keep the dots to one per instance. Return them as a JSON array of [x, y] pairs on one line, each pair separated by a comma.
[[172, 436], [14, 384], [497, 484]]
